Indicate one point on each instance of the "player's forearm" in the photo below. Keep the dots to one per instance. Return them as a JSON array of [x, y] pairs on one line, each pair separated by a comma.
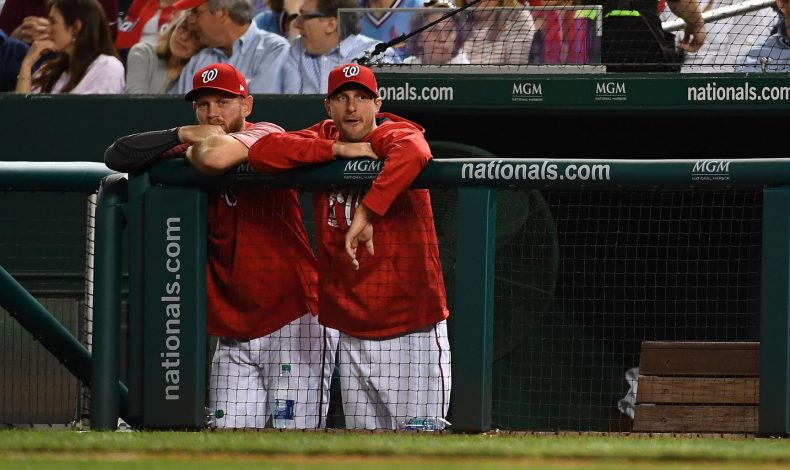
[[275, 153], [403, 164], [137, 151], [217, 154]]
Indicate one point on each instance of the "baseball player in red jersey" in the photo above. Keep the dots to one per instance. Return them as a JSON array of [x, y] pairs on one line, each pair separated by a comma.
[[388, 300], [261, 276]]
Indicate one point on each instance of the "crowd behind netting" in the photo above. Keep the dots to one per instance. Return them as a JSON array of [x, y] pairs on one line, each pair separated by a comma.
[[289, 46]]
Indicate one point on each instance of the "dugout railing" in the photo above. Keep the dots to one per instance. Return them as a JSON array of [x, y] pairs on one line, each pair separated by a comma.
[[167, 233], [49, 292]]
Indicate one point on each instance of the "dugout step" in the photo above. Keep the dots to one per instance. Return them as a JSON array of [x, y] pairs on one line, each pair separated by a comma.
[[698, 387]]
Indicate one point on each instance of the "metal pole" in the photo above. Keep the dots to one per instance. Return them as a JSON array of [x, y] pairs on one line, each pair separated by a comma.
[[110, 222]]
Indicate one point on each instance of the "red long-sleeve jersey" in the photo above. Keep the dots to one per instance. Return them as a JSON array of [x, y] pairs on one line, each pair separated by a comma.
[[261, 272], [400, 289]]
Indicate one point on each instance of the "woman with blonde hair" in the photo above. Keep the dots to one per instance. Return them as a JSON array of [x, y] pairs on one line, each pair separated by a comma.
[[153, 68], [84, 61], [499, 37]]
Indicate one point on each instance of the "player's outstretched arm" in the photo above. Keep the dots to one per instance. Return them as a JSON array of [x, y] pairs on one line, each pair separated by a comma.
[[137, 152], [217, 154]]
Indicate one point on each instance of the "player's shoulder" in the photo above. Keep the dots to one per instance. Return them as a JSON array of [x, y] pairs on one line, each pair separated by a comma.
[[265, 126]]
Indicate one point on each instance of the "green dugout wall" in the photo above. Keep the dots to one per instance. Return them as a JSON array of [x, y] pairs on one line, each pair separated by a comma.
[[167, 211], [513, 116], [608, 116]]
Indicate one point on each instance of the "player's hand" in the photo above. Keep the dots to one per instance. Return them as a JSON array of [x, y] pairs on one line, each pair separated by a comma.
[[353, 150], [198, 133], [693, 37], [33, 28], [361, 231]]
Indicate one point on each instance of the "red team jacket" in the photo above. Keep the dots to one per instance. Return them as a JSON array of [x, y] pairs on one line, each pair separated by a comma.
[[400, 289], [261, 272]]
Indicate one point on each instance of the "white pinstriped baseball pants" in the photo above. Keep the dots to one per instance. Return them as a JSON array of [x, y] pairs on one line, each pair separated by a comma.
[[385, 382], [244, 372]]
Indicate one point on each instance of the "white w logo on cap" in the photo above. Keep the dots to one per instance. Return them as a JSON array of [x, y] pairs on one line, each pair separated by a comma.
[[209, 75], [351, 71]]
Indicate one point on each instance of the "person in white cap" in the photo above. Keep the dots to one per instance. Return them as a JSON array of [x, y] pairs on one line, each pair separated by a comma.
[[388, 301], [261, 275]]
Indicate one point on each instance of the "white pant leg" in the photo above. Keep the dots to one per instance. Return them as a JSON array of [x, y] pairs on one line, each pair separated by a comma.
[[386, 382], [360, 371], [244, 374], [237, 385], [310, 349]]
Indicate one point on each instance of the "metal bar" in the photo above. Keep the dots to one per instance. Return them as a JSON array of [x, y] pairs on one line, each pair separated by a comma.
[[110, 222], [505, 173], [721, 13], [52, 176]]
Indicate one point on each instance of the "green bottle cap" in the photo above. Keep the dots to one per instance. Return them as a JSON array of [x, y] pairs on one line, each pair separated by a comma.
[[286, 367], [219, 414]]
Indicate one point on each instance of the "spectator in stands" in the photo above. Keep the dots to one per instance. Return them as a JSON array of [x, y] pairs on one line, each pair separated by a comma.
[[156, 68], [12, 52], [567, 36], [278, 17], [145, 21], [728, 40], [499, 37], [389, 305], [319, 47], [27, 19], [774, 54], [84, 61], [634, 41], [441, 43], [226, 27], [391, 24]]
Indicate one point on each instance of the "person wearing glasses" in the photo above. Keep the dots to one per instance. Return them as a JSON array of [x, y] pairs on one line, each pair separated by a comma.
[[324, 42], [231, 37]]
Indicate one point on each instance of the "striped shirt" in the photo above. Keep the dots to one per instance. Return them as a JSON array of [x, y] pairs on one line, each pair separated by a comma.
[[309, 74], [257, 54]]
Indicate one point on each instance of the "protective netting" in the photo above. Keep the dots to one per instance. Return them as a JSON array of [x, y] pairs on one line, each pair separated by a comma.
[[630, 267], [623, 36], [45, 251]]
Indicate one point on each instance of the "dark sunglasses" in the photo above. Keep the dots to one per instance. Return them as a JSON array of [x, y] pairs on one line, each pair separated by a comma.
[[310, 16]]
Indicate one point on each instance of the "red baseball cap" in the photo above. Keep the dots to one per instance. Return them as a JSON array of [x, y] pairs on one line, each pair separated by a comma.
[[187, 4], [219, 77], [352, 73]]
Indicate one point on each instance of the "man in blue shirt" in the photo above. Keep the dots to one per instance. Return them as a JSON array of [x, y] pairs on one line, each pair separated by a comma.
[[12, 51], [319, 48], [226, 27], [774, 54], [389, 25]]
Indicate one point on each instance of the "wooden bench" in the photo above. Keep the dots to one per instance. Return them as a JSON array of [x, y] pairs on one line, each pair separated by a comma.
[[698, 387]]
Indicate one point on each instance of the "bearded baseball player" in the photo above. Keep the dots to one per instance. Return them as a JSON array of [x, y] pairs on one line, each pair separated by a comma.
[[261, 275], [387, 300]]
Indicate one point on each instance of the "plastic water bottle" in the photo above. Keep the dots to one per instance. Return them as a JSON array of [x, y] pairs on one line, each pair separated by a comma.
[[425, 424], [284, 400]]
